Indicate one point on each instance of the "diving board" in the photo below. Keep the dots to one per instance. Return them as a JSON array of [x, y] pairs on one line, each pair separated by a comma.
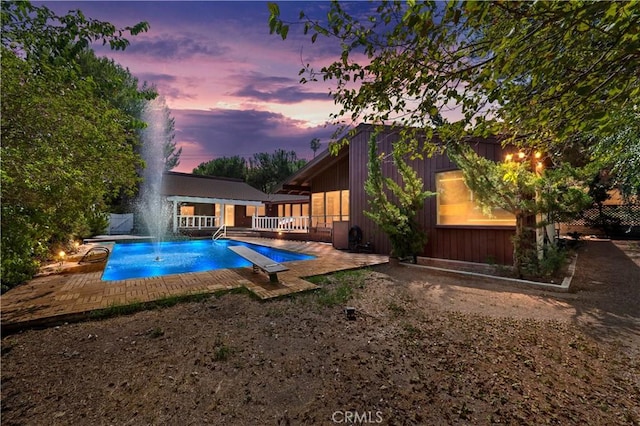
[[269, 266]]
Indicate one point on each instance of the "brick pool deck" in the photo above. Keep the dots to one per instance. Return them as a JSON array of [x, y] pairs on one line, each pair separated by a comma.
[[54, 298]]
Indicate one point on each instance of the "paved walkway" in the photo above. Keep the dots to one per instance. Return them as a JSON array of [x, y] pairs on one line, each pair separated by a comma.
[[56, 297]]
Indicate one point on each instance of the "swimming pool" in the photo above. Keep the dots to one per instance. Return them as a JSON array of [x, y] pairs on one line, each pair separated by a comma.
[[144, 260]]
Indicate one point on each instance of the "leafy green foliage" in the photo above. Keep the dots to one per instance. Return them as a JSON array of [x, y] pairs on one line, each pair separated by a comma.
[[396, 216], [44, 37], [557, 76], [233, 167], [546, 69], [525, 190], [266, 171], [67, 147], [97, 222], [619, 155]]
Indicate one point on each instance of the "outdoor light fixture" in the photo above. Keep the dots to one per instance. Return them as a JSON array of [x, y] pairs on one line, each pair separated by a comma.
[[350, 312], [509, 157], [62, 254], [521, 155]]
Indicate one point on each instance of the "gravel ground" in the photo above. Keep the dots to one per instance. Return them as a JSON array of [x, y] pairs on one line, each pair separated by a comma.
[[423, 349]]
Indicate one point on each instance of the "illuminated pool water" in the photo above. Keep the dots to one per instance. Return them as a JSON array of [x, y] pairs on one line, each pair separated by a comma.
[[144, 260]]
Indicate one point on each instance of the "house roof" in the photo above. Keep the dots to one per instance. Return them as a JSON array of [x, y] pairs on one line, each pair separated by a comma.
[[287, 198], [299, 184], [220, 188], [188, 185]]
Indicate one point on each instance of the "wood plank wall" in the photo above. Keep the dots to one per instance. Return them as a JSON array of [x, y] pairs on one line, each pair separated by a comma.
[[334, 178], [473, 244]]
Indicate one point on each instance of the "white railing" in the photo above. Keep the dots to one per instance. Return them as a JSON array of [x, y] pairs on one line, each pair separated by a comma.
[[220, 233], [198, 222], [280, 224]]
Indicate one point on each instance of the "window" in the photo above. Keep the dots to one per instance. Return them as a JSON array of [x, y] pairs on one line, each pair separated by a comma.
[[332, 209], [187, 210], [255, 211], [456, 205], [317, 208], [345, 205], [327, 207], [296, 210]]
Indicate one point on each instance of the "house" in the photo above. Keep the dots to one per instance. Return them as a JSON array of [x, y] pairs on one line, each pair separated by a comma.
[[204, 203], [455, 225]]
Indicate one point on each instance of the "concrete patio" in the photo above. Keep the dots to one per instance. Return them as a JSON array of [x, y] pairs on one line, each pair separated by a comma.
[[55, 298]]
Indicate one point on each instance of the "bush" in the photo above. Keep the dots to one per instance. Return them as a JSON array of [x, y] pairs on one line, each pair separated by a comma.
[[20, 251], [98, 222], [553, 259]]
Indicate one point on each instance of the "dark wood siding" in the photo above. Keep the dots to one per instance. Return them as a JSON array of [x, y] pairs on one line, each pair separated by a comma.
[[334, 178], [473, 244], [240, 217]]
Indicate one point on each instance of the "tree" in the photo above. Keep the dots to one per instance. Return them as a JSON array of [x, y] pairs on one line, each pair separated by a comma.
[[537, 71], [61, 155], [315, 145], [44, 38], [66, 150], [526, 190], [396, 217], [266, 171], [619, 155], [556, 77], [121, 89], [233, 167]]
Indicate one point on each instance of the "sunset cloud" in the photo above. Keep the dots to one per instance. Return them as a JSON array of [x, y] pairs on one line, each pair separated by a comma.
[[232, 88], [171, 47]]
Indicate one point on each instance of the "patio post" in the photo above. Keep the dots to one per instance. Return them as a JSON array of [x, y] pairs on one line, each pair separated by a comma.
[[175, 216]]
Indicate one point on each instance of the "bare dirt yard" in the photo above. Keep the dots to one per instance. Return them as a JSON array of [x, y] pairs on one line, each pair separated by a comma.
[[423, 349]]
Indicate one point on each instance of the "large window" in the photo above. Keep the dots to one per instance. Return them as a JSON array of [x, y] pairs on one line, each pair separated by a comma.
[[456, 204], [287, 210], [327, 207], [255, 211], [344, 211], [317, 208], [187, 210]]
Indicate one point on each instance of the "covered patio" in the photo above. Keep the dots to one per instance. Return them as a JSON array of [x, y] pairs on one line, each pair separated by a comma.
[[205, 203]]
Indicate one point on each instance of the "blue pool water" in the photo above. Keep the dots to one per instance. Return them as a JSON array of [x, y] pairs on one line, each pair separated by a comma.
[[138, 260]]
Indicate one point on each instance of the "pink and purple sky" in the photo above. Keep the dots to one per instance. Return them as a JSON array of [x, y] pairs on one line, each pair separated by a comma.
[[232, 88]]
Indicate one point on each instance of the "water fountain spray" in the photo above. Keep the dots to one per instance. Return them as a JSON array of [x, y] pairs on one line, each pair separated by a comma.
[[151, 205]]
